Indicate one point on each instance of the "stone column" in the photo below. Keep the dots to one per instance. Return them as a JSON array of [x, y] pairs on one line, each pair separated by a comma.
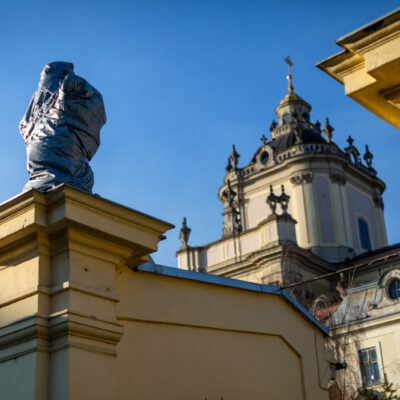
[[58, 257]]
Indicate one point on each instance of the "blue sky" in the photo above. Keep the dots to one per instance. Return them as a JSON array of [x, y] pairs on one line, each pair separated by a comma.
[[182, 81]]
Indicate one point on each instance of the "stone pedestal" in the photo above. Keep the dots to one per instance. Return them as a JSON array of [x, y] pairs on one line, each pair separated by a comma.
[[59, 254], [278, 230]]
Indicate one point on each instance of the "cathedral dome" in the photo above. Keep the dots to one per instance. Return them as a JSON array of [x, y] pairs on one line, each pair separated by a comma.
[[304, 136], [294, 126], [292, 98]]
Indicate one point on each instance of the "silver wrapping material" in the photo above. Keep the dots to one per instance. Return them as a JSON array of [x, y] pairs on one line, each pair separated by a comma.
[[61, 129]]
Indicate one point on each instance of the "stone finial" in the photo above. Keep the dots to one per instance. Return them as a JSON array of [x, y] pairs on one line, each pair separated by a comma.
[[272, 126], [229, 194], [352, 152], [368, 156], [229, 167], [234, 157], [350, 141], [272, 200], [328, 130], [184, 233], [284, 201], [263, 140]]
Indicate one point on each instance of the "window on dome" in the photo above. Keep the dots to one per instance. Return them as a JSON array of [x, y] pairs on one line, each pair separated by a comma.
[[264, 157], [286, 118], [394, 289], [306, 117], [364, 234]]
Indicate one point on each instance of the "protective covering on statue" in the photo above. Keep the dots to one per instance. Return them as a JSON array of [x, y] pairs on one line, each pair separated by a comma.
[[61, 129]]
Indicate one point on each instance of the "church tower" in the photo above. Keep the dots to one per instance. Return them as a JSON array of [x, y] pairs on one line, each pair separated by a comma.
[[299, 206]]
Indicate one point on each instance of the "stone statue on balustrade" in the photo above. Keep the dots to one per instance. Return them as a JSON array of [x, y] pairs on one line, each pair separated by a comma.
[[61, 129]]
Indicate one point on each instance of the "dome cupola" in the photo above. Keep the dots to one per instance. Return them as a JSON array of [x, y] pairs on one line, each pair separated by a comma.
[[293, 111]]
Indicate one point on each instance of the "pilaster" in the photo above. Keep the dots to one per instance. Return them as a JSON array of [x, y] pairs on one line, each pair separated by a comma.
[[59, 254]]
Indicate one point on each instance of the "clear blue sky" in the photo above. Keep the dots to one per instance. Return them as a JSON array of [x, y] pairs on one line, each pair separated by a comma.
[[182, 81]]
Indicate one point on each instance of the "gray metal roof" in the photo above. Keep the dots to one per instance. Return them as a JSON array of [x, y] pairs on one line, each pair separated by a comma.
[[233, 283]]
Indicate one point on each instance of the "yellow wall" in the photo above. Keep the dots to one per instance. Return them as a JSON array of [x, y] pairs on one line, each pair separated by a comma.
[[77, 323], [199, 340]]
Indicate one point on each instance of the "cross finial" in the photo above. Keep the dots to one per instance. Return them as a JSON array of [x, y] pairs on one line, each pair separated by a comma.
[[263, 139], [289, 76], [350, 141]]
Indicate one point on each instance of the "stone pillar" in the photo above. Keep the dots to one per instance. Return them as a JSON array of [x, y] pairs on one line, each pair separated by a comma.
[[306, 209], [58, 257], [337, 180], [380, 220]]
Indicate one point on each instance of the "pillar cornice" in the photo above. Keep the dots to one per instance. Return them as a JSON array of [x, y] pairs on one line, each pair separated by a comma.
[[302, 178]]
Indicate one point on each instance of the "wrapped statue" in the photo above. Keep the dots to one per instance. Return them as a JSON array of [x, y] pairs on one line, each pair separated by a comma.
[[61, 129]]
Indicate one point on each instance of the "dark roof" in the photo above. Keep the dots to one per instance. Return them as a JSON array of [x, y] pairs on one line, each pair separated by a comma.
[[283, 142]]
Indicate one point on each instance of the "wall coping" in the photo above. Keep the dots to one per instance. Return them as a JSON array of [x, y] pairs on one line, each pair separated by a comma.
[[233, 283]]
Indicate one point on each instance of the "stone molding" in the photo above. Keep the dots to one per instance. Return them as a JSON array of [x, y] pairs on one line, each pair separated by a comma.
[[338, 178], [302, 178], [368, 64], [378, 201]]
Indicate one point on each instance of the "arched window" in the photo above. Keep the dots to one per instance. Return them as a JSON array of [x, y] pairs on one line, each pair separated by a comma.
[[364, 234], [394, 289]]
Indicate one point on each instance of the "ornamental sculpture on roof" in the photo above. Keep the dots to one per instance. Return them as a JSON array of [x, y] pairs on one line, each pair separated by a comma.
[[61, 129]]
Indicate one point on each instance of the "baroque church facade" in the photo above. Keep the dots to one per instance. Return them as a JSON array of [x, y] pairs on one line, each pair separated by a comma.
[[301, 206], [307, 216]]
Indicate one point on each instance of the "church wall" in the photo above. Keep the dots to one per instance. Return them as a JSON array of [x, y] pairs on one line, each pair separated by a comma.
[[338, 208], [250, 243], [256, 193], [299, 214], [361, 207], [311, 214], [346, 212], [257, 210], [325, 210], [380, 221]]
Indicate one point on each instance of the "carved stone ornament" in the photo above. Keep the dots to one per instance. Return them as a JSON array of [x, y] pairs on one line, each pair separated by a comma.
[[338, 178], [301, 178], [328, 130], [61, 129], [378, 201], [184, 233], [234, 157]]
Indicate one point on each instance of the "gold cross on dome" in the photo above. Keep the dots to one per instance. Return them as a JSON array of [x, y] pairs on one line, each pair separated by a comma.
[[289, 77]]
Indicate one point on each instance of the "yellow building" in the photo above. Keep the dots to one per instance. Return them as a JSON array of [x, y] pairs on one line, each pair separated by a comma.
[[369, 66], [84, 316], [367, 323]]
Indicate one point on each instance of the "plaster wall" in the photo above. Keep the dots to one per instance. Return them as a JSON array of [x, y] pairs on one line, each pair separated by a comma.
[[382, 334], [77, 323], [19, 370], [361, 206], [325, 210], [257, 210], [187, 339]]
